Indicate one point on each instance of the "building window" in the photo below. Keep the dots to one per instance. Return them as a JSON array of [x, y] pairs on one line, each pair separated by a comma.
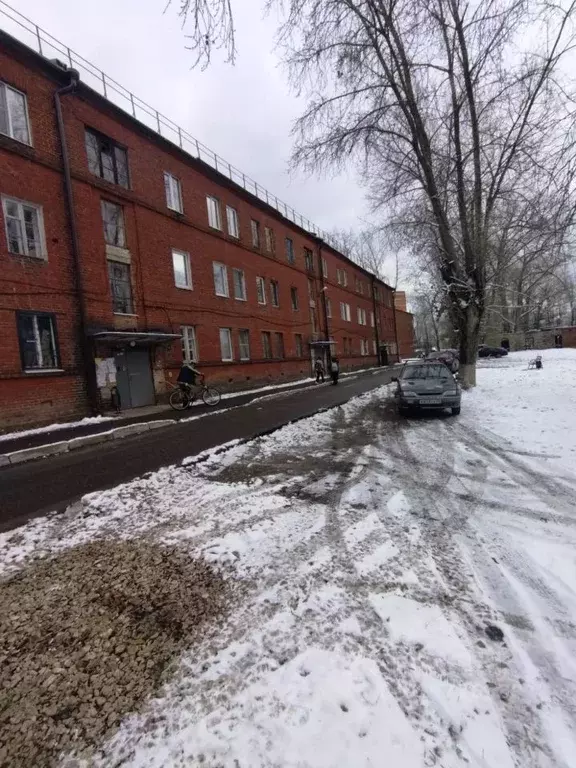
[[266, 345], [359, 286], [214, 217], [308, 259], [290, 250], [279, 346], [328, 308], [239, 284], [364, 348], [255, 230], [374, 347], [220, 279], [261, 290], [298, 344], [311, 292], [244, 344], [113, 219], [324, 267], [106, 159], [270, 239], [345, 311], [342, 277], [372, 319], [294, 298], [173, 192], [182, 271], [274, 293], [232, 221], [24, 228], [14, 114], [189, 344], [361, 316], [38, 341], [226, 345], [313, 322], [121, 288]]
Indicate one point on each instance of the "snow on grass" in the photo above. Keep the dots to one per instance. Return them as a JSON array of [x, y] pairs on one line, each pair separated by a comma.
[[530, 408]]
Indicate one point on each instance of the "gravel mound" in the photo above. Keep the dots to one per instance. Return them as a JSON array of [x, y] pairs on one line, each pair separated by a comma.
[[87, 636]]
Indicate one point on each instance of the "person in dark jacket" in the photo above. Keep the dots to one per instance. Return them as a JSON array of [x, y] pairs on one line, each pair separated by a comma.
[[189, 378], [335, 370], [319, 370]]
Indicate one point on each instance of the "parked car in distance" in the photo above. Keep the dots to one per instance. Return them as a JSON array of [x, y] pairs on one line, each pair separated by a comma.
[[447, 356], [427, 385], [485, 351]]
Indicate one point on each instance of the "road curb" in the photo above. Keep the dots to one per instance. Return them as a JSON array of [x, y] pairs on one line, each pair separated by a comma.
[[53, 449]]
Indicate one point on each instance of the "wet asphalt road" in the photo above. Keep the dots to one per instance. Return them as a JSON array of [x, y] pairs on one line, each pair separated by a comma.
[[38, 487]]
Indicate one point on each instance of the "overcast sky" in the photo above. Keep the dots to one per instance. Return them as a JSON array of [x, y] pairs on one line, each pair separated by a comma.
[[243, 112]]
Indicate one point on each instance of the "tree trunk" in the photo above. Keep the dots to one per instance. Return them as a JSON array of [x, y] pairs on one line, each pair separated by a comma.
[[469, 337]]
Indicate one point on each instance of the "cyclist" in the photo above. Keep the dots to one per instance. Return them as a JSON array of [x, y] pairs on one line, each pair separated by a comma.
[[189, 378]]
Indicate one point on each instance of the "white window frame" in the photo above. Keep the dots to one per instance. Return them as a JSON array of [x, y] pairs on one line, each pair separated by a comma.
[[269, 239], [372, 321], [290, 252], [232, 222], [223, 270], [324, 267], [328, 308], [43, 255], [261, 291], [235, 273], [4, 88], [244, 347], [374, 347], [38, 343], [226, 333], [189, 343], [187, 269], [345, 311], [214, 212], [173, 189], [275, 294], [361, 316]]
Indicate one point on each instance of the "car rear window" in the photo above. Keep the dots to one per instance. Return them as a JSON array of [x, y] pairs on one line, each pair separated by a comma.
[[426, 372]]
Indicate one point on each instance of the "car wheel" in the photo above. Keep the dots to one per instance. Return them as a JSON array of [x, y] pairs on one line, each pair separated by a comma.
[[402, 410], [456, 411]]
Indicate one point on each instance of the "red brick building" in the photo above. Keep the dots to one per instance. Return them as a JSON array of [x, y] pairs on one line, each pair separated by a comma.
[[120, 253]]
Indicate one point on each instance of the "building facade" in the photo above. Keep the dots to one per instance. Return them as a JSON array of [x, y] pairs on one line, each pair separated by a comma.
[[121, 255]]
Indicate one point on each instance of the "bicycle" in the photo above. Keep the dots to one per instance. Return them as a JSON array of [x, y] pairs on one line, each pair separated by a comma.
[[182, 397]]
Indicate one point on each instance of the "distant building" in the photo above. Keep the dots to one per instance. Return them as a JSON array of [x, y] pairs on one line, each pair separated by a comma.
[[138, 254]]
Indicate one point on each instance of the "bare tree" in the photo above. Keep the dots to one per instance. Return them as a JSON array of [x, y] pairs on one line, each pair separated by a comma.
[[209, 25], [370, 249], [450, 107]]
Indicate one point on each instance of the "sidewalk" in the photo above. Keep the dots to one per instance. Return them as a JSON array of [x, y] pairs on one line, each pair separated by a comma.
[[61, 433], [51, 484]]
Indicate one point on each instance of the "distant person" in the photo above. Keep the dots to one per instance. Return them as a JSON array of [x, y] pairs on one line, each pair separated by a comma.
[[558, 340], [319, 369], [335, 370]]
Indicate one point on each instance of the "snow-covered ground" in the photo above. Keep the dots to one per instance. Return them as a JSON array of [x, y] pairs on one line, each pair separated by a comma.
[[376, 551]]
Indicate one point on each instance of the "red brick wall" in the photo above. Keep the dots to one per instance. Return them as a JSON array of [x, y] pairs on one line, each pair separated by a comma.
[[152, 231]]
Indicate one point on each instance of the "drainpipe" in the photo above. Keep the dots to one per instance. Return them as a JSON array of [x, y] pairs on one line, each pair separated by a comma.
[[324, 305], [376, 318], [86, 351], [395, 326]]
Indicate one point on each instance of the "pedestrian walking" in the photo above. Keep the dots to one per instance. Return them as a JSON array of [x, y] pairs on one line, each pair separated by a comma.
[[334, 370], [319, 369]]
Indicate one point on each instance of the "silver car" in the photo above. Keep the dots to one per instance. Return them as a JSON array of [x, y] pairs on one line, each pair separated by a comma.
[[427, 385]]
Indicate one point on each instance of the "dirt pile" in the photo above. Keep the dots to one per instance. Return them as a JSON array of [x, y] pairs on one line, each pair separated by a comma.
[[87, 636]]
